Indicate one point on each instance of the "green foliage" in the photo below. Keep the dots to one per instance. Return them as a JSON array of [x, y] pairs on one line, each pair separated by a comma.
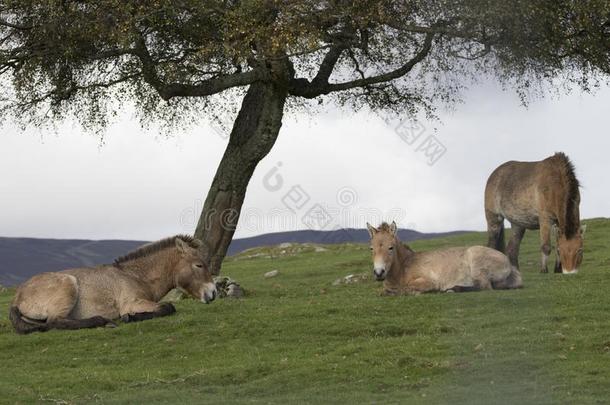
[[296, 338], [62, 58]]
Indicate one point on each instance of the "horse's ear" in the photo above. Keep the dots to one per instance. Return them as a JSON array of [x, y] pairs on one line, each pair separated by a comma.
[[372, 230], [393, 228], [197, 243], [583, 229], [182, 245]]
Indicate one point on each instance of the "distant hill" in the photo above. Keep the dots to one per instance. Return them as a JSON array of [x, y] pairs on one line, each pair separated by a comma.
[[325, 237], [21, 258]]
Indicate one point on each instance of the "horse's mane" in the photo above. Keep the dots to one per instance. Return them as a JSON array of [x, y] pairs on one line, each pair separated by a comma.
[[384, 227], [572, 216], [154, 247]]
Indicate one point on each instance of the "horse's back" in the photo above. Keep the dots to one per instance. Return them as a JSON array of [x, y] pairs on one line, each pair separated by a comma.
[[464, 266], [510, 179], [445, 267], [513, 191], [489, 262], [102, 290]]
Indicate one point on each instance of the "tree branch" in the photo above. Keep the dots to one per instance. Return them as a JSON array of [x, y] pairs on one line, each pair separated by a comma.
[[328, 64], [4, 23], [167, 91], [305, 89], [59, 95], [441, 28]]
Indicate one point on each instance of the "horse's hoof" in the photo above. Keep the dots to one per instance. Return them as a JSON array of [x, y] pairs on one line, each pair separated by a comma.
[[111, 324], [545, 270], [126, 318], [450, 291]]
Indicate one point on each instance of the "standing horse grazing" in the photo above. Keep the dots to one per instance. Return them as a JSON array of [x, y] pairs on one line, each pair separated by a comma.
[[536, 195], [129, 289], [452, 269]]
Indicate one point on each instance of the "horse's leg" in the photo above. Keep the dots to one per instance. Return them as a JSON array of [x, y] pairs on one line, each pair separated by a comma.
[[462, 289], [72, 324], [495, 231], [420, 285], [558, 263], [389, 292], [557, 257], [512, 251], [545, 242], [141, 310]]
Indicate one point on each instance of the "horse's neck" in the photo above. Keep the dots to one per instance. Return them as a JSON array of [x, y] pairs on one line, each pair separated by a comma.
[[400, 265], [569, 218], [156, 271]]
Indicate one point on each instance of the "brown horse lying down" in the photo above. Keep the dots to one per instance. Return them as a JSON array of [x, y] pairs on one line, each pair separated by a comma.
[[452, 269], [129, 289]]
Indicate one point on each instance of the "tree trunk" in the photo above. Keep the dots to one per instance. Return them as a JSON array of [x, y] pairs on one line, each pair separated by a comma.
[[253, 135]]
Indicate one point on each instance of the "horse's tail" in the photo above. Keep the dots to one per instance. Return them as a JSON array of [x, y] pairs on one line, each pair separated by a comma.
[[496, 237], [21, 326], [500, 242]]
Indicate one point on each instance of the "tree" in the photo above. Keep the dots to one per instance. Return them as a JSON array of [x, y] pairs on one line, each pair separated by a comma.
[[171, 59]]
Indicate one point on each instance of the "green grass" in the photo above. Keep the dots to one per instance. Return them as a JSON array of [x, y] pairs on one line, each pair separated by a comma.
[[296, 338]]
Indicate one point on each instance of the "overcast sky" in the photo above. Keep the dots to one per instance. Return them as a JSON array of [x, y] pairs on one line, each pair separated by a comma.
[[335, 169]]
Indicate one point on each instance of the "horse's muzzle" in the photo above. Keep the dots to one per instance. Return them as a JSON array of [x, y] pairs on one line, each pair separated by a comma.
[[209, 297], [379, 275]]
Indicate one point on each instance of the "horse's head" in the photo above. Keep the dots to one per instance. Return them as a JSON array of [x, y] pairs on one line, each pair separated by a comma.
[[192, 274], [570, 250], [383, 248]]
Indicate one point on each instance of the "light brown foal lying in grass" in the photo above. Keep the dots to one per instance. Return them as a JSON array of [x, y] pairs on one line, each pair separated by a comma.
[[129, 289], [454, 269]]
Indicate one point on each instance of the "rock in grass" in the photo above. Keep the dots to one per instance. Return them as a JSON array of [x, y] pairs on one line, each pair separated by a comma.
[[351, 278], [228, 288], [271, 273], [235, 291]]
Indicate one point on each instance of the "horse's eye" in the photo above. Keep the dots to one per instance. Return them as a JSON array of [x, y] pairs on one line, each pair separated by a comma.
[[199, 265], [371, 248], [391, 248]]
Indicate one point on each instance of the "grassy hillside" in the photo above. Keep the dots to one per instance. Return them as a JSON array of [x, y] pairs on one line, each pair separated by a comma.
[[297, 338]]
